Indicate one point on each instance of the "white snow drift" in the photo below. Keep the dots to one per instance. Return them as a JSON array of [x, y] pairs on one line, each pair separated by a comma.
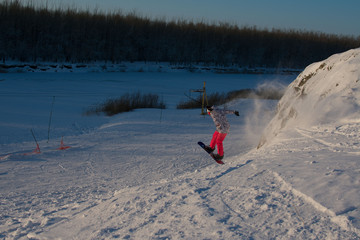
[[325, 92]]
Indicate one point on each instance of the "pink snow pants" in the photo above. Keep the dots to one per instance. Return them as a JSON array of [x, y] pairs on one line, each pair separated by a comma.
[[217, 140]]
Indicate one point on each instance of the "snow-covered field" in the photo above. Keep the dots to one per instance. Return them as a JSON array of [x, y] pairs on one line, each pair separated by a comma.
[[141, 175]]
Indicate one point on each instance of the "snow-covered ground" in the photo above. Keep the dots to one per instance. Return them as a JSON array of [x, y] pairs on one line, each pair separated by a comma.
[[141, 175]]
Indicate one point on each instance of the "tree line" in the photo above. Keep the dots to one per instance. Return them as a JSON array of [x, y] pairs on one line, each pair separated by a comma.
[[38, 33]]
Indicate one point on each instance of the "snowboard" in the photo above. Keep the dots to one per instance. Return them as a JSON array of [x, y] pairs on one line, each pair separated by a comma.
[[202, 145]]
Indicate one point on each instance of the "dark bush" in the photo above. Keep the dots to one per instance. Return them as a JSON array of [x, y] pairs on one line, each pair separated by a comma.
[[222, 98], [127, 103]]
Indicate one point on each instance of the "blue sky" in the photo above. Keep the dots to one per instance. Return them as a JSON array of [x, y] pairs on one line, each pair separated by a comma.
[[328, 16]]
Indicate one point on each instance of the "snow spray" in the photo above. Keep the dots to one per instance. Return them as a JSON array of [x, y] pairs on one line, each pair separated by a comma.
[[262, 112]]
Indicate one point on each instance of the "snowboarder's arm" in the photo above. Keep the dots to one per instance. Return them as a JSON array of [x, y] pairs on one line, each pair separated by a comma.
[[231, 112], [222, 111]]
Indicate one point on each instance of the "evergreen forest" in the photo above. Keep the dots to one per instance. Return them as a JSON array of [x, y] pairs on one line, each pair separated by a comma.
[[32, 33]]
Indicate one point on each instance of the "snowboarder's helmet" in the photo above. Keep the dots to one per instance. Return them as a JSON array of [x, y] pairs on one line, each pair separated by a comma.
[[209, 108]]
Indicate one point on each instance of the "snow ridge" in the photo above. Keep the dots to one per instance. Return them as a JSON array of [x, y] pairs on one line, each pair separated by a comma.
[[325, 92], [342, 221]]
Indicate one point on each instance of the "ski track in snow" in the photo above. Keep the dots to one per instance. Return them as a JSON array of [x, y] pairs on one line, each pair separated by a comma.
[[321, 148], [182, 207], [346, 137]]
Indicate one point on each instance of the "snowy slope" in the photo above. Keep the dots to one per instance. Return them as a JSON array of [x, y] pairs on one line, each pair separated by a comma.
[[141, 175], [325, 92]]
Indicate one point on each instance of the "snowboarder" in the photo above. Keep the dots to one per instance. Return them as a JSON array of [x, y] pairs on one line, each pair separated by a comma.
[[222, 129]]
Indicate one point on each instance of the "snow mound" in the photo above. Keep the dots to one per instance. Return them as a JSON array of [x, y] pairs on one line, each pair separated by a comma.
[[325, 92]]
